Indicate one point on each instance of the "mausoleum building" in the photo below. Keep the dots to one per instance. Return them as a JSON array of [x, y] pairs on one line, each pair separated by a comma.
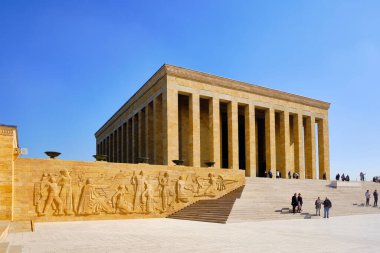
[[181, 114]]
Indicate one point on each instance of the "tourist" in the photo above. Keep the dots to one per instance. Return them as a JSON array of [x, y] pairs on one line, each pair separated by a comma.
[[318, 204], [300, 202], [270, 175], [289, 175], [375, 197], [324, 176], [265, 173], [327, 205], [337, 177], [294, 202], [294, 175], [348, 178], [343, 177], [277, 174], [361, 176], [367, 197]]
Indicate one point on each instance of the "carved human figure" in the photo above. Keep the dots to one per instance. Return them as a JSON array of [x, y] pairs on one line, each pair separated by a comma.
[[148, 199], [43, 194], [77, 187], [91, 202], [66, 193], [139, 185], [165, 192], [181, 188], [211, 189], [53, 197], [119, 200]]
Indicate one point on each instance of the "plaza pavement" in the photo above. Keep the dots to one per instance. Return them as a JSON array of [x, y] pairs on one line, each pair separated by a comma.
[[359, 233]]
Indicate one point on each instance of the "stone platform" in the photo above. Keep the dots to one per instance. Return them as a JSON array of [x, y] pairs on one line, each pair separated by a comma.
[[358, 233]]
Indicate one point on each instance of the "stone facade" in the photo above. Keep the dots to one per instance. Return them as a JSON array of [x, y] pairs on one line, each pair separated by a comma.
[[57, 190], [181, 114]]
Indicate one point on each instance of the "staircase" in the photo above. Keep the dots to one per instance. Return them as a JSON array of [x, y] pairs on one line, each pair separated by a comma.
[[269, 199], [216, 210]]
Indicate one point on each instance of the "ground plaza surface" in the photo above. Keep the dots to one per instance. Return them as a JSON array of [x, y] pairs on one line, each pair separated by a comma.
[[357, 233]]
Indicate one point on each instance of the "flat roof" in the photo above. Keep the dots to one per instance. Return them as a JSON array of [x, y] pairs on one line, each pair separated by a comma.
[[214, 80]]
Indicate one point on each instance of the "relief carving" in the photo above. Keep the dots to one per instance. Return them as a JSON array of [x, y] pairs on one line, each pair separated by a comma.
[[84, 193], [119, 201], [91, 201]]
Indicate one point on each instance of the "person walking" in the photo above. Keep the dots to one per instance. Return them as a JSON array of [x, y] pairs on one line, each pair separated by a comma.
[[300, 202], [318, 204], [367, 197], [277, 174], [375, 198], [294, 202], [326, 210], [289, 175]]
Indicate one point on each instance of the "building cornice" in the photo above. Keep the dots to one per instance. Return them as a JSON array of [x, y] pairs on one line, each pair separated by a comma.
[[214, 80], [242, 86]]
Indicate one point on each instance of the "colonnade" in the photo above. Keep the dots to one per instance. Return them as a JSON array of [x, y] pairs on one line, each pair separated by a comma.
[[199, 128]]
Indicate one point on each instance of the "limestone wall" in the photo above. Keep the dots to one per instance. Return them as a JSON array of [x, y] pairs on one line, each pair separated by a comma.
[[57, 190], [8, 153]]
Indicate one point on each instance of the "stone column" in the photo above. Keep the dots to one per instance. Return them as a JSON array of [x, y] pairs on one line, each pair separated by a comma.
[[110, 148], [233, 137], [141, 135], [134, 141], [147, 132], [299, 163], [170, 125], [284, 144], [250, 141], [129, 140], [214, 121], [158, 131], [310, 161], [323, 148], [270, 141], [194, 131]]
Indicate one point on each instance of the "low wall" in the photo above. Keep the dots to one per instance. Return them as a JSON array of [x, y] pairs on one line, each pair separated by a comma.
[[350, 184], [58, 190]]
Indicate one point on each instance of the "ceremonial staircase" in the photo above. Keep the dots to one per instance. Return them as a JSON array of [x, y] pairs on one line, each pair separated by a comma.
[[269, 199], [216, 210]]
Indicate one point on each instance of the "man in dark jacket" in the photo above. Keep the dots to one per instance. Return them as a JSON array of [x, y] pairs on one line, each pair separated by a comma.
[[300, 203], [294, 202], [327, 205], [375, 197]]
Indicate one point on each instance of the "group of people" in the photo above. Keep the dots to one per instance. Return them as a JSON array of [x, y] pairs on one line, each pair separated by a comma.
[[297, 203], [368, 197], [342, 177], [291, 175]]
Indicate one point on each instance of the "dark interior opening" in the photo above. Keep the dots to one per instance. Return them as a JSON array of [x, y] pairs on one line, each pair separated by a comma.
[[224, 135], [260, 138], [241, 131]]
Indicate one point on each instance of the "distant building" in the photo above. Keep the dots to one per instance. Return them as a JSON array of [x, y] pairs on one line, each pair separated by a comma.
[[181, 114]]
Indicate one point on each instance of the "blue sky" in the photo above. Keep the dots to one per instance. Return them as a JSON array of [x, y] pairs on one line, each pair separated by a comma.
[[67, 66]]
